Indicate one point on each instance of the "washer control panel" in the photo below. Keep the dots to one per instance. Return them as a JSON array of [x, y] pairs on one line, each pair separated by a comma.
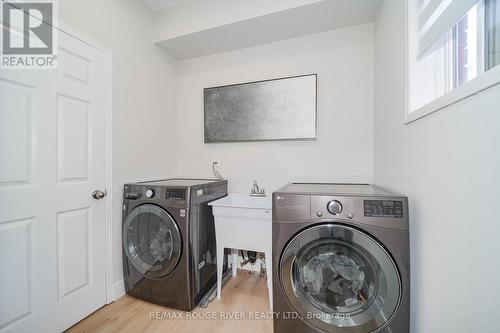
[[386, 212], [383, 208], [175, 194]]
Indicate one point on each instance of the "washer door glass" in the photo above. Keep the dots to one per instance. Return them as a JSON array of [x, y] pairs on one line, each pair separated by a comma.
[[151, 240], [337, 277]]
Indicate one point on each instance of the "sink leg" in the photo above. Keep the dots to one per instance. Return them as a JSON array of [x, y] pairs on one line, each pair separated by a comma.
[[220, 264], [234, 265], [269, 273]]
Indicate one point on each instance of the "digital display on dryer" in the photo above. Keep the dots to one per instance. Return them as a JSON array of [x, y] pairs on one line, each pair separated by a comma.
[[383, 208]]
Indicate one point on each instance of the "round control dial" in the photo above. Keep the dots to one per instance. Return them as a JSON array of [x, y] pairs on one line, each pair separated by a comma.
[[334, 207], [150, 193]]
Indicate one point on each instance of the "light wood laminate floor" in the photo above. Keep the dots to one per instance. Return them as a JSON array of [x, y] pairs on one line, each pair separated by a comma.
[[244, 295]]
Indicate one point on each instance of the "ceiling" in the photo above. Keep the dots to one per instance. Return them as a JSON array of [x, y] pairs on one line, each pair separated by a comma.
[[164, 4], [235, 31]]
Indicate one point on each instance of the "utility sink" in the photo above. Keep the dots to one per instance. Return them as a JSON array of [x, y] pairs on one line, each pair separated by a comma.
[[243, 222], [243, 201]]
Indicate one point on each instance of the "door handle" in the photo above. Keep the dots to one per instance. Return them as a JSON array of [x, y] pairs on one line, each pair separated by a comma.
[[97, 194]]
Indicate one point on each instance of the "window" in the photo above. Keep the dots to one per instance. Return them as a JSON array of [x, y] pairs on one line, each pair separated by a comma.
[[467, 47], [492, 33], [448, 65]]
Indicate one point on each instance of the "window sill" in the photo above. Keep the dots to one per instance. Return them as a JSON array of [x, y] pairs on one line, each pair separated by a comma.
[[484, 81]]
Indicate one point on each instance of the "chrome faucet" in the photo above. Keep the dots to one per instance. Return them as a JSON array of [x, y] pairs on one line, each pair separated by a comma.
[[256, 191]]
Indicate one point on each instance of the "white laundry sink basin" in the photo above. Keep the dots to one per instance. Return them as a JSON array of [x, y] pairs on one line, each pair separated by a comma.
[[243, 201]]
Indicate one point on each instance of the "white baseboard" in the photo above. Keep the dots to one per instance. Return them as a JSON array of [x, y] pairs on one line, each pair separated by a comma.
[[118, 289]]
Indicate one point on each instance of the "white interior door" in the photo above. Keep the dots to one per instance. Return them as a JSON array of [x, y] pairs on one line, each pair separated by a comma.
[[52, 157]]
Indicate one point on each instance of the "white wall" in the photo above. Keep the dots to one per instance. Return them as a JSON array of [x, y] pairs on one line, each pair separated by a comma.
[[448, 164], [343, 60], [144, 118]]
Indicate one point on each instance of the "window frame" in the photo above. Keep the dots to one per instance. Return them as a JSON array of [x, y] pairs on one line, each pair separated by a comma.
[[482, 82]]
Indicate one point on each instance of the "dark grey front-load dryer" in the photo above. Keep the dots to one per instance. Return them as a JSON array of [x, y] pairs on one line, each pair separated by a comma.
[[169, 240], [340, 259]]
